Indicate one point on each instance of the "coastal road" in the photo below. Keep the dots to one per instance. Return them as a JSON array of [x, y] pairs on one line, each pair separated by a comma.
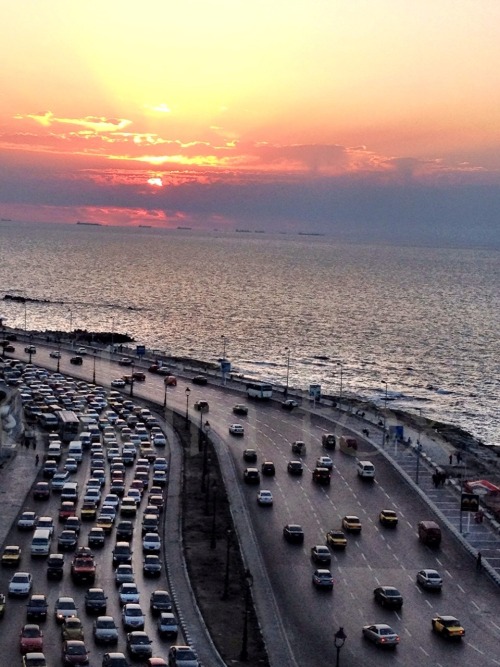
[[377, 556]]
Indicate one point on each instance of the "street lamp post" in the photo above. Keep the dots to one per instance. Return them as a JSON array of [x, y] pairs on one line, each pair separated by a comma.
[[58, 355], [385, 414], [244, 641], [339, 363], [224, 340], [205, 454], [287, 350], [188, 391], [165, 395], [339, 638], [419, 446], [213, 536], [25, 318], [225, 592], [93, 372], [132, 381]]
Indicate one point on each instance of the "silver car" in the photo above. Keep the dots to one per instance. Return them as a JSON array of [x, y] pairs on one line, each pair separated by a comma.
[[430, 579], [381, 634], [105, 630]]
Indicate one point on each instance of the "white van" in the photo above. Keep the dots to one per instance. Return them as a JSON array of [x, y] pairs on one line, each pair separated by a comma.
[[75, 450], [54, 451], [40, 543], [365, 469], [70, 491]]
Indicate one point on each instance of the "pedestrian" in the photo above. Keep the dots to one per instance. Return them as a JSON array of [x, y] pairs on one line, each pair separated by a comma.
[[459, 457], [451, 459], [479, 559], [37, 460], [34, 442]]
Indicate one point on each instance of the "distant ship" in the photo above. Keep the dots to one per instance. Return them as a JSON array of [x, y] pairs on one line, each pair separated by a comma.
[[5, 220], [179, 227], [145, 226], [310, 234], [89, 224]]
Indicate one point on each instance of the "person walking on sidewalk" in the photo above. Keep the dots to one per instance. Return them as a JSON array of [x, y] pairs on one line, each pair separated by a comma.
[[37, 460], [479, 561]]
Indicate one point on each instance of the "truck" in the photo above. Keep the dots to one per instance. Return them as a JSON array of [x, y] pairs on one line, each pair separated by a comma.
[[83, 567], [348, 445]]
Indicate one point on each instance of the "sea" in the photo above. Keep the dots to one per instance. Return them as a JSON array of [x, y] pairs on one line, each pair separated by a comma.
[[422, 322]]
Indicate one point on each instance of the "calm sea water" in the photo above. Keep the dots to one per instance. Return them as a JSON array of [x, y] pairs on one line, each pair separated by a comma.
[[424, 320]]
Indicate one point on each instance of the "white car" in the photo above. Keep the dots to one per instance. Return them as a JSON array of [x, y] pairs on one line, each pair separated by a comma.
[[151, 543], [265, 497], [55, 355], [27, 520], [128, 593], [65, 608], [20, 584], [160, 463], [92, 495], [71, 465], [430, 579], [111, 499], [81, 350], [236, 429], [46, 522], [159, 440], [324, 462]]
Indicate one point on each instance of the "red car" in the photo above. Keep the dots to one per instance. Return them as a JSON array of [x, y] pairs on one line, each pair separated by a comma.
[[41, 491], [74, 652], [30, 639]]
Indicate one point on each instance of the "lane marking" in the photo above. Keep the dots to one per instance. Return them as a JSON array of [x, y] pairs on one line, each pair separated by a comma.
[[475, 648], [476, 605]]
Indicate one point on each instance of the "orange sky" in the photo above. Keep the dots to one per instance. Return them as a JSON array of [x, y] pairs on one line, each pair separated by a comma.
[[129, 112]]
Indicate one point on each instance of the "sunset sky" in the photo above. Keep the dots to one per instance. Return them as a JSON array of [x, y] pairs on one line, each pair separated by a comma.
[[378, 116]]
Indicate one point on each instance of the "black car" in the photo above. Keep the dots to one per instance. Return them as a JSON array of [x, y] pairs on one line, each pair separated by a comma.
[[250, 455], [388, 596], [268, 469], [295, 467], [293, 533], [96, 601], [76, 361], [124, 530], [251, 476], [55, 567], [240, 409], [289, 405], [114, 659], [122, 553], [160, 601], [96, 537], [151, 566], [199, 379], [37, 608], [139, 644], [67, 540]]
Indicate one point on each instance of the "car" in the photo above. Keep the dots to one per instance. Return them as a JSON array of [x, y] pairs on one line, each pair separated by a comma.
[[139, 376], [119, 383], [88, 511], [76, 360], [151, 566], [122, 553], [11, 555], [388, 518], [295, 467], [20, 585], [381, 634], [160, 478], [182, 656], [67, 509], [37, 608], [65, 608], [167, 625], [336, 539], [132, 617], [54, 354], [49, 468], [72, 523], [299, 448], [124, 574], [128, 592], [328, 441], [236, 429], [27, 521], [125, 361], [160, 463], [324, 462], [448, 626], [240, 409], [250, 455], [72, 628], [151, 543], [201, 406], [55, 567], [67, 540], [81, 350], [430, 579], [96, 537], [388, 596], [114, 659], [351, 524], [170, 381], [41, 491], [199, 379], [105, 631], [96, 601], [159, 602], [139, 644], [159, 440], [34, 659], [289, 404], [322, 476], [30, 349], [268, 468], [74, 652], [322, 579], [321, 554], [105, 521], [59, 480], [124, 530], [293, 533], [251, 476], [30, 638], [265, 497]]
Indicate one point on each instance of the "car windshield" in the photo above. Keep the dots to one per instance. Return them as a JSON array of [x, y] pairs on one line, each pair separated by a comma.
[[185, 654], [76, 649], [107, 625], [433, 575], [392, 594], [65, 605], [134, 612], [451, 622], [31, 632], [386, 631], [21, 578]]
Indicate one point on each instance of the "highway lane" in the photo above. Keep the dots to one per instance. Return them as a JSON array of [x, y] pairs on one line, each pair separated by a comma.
[[377, 556]]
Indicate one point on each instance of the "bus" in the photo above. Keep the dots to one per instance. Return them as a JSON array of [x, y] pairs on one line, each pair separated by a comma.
[[69, 425], [259, 390]]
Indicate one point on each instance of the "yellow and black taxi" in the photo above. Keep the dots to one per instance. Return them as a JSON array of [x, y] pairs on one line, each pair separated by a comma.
[[351, 523], [336, 539], [105, 521], [11, 555], [88, 511], [388, 518], [448, 626]]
